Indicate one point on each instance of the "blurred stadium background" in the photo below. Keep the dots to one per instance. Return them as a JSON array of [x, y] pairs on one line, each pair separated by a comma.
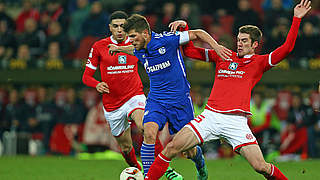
[[45, 110]]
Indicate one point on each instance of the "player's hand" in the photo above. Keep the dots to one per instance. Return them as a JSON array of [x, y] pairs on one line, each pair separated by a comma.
[[223, 52], [301, 9], [113, 49], [174, 25], [102, 87]]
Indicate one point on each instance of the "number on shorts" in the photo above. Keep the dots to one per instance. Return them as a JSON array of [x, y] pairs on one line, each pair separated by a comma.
[[199, 118]]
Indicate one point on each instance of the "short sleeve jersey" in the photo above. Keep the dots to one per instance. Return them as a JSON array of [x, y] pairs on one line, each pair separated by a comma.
[[120, 72], [164, 65]]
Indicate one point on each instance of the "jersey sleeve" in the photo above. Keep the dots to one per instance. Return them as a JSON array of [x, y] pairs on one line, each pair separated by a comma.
[[208, 55], [91, 67], [176, 39], [281, 52]]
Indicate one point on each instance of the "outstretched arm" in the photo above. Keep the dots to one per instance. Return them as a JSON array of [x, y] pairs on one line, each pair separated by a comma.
[[280, 53], [200, 53], [114, 49]]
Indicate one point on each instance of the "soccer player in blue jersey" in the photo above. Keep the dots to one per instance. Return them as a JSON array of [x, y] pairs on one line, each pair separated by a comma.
[[169, 97]]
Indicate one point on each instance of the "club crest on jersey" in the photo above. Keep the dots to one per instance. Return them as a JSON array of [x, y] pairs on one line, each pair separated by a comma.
[[162, 50], [233, 66], [122, 59]]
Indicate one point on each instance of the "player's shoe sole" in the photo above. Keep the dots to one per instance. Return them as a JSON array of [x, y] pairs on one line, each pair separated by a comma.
[[171, 174]]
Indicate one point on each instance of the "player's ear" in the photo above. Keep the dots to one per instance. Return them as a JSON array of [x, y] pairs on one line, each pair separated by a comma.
[[145, 33], [255, 44]]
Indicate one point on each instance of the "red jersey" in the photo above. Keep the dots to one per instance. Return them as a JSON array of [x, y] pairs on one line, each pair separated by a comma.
[[235, 77], [119, 71]]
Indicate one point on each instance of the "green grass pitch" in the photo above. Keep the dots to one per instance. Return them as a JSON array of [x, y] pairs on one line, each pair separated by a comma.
[[69, 168]]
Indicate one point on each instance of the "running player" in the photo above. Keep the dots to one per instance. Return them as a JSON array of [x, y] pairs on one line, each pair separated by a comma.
[[121, 87], [229, 102], [169, 97]]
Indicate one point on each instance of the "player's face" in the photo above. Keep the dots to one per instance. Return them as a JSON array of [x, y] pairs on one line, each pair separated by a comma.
[[116, 28], [137, 39], [244, 45]]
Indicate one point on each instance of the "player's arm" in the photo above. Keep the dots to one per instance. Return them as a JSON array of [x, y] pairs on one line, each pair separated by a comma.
[[114, 49], [200, 53], [281, 52], [90, 69]]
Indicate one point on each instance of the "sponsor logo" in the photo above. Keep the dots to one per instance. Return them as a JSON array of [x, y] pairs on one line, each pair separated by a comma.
[[156, 67], [233, 66], [110, 68], [249, 136], [162, 50], [141, 104], [122, 59]]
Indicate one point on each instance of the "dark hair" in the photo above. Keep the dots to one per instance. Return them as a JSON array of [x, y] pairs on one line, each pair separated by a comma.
[[254, 32], [136, 22], [118, 15]]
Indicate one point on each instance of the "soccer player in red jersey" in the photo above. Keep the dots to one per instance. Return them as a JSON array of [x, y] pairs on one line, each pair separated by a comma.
[[228, 106], [122, 91]]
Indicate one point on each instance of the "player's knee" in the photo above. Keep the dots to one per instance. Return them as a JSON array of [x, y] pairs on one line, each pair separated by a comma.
[[260, 167], [125, 147], [171, 149], [149, 136]]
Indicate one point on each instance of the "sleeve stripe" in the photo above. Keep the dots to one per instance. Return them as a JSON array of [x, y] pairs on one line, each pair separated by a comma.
[[207, 55], [184, 37], [270, 63], [89, 65]]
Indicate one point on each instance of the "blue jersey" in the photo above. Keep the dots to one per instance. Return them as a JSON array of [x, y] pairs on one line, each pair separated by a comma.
[[164, 65]]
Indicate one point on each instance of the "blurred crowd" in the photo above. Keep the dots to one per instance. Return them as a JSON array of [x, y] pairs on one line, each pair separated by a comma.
[[69, 120], [56, 34]]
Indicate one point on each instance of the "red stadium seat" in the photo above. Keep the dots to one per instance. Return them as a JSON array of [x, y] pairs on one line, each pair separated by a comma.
[[227, 23], [283, 103], [206, 21], [152, 19], [84, 47]]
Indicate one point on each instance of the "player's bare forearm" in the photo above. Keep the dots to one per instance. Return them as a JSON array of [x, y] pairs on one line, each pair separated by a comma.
[[202, 35], [114, 49]]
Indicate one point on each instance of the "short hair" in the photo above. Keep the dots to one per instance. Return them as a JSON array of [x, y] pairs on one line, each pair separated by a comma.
[[136, 22], [254, 32], [118, 15]]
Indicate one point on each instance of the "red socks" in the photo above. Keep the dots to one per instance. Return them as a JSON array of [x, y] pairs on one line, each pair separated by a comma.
[[131, 158], [275, 174], [158, 147], [158, 168]]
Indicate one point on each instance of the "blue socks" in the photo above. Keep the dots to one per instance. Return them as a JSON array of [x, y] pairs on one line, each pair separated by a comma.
[[198, 159], [147, 156]]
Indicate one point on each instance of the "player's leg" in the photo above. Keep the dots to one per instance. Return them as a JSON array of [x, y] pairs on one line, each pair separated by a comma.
[[127, 150], [120, 129], [255, 158], [148, 145], [137, 116], [182, 141]]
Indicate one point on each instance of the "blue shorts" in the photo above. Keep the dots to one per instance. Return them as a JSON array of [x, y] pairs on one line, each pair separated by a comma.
[[177, 115]]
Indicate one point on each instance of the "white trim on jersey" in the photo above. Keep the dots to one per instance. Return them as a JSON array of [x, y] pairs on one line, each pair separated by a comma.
[[116, 42], [113, 40], [270, 63], [206, 52], [228, 111], [89, 65], [180, 61], [184, 37]]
